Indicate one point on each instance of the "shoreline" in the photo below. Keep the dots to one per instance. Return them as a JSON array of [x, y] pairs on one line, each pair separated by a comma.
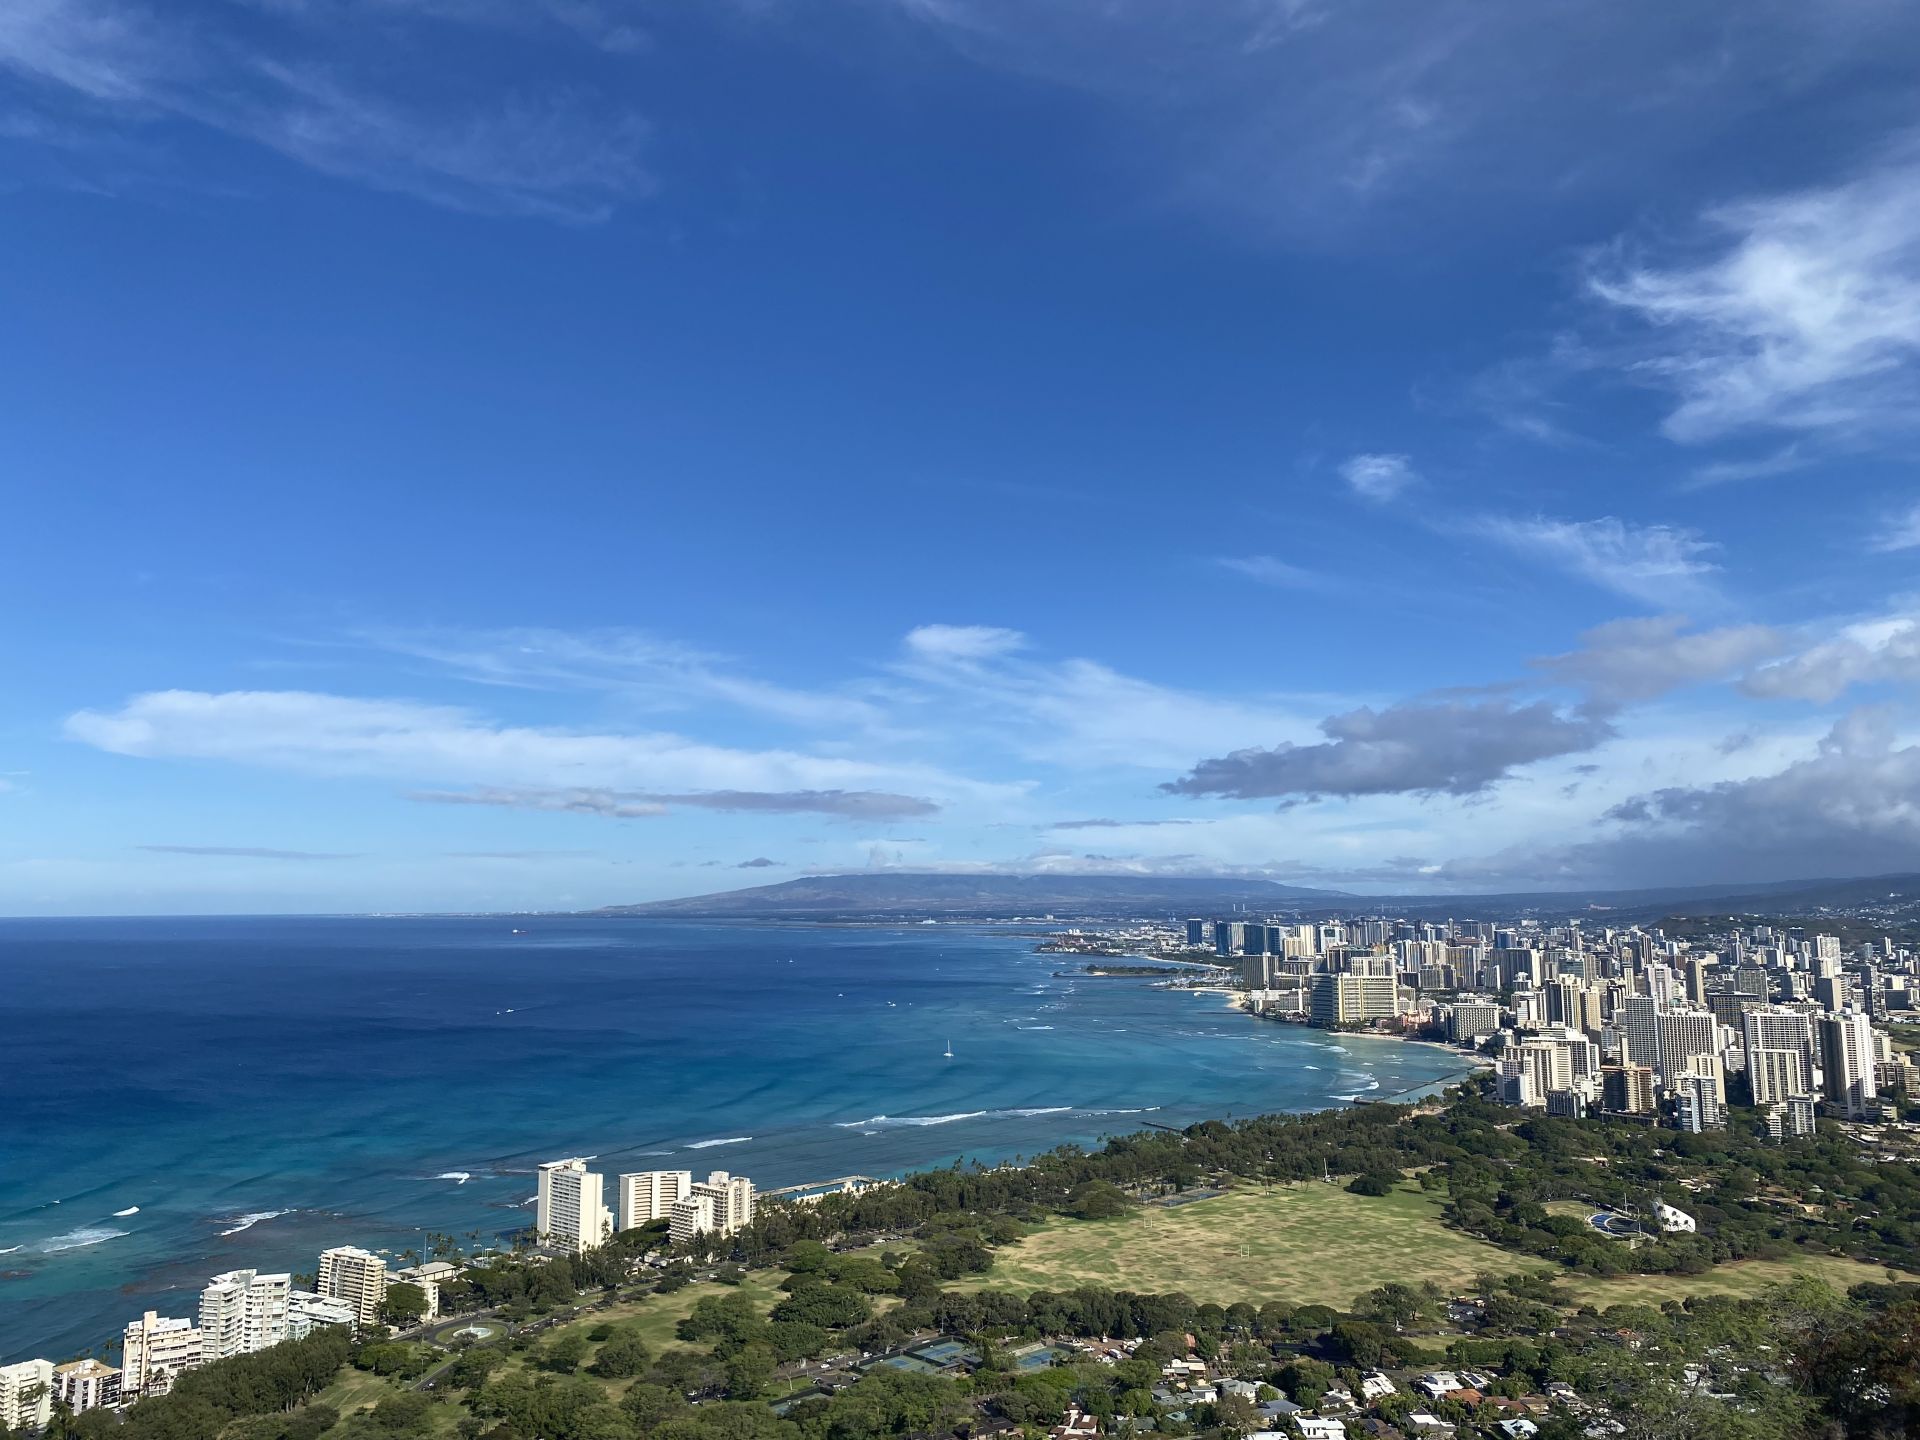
[[382, 1196]]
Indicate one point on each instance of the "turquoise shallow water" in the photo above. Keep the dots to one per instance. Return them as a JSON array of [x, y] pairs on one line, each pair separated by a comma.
[[263, 1088]]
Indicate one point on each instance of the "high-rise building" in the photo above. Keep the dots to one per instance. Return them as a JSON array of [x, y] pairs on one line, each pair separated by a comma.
[[1698, 1104], [1690, 1045], [721, 1203], [87, 1384], [1627, 1089], [1469, 1019], [154, 1352], [572, 1211], [356, 1278], [1638, 1018], [690, 1217], [1846, 1047], [1350, 999], [649, 1195], [1776, 1028], [26, 1395], [1196, 932], [242, 1311]]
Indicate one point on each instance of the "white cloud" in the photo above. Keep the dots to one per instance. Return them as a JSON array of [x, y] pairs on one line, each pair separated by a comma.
[[964, 642], [1658, 565], [1378, 478], [340, 735], [1639, 659], [1266, 570], [655, 673], [1882, 649], [1075, 713], [1901, 532], [1803, 312]]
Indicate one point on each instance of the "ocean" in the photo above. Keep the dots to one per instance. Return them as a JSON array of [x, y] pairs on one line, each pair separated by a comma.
[[180, 1097]]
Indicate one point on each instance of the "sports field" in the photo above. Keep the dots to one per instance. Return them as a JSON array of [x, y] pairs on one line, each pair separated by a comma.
[[1321, 1244]]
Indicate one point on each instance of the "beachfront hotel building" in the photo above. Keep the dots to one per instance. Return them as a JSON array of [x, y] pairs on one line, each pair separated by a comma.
[[26, 1395], [86, 1385], [242, 1311], [650, 1195], [356, 1278], [572, 1210], [721, 1203], [154, 1351]]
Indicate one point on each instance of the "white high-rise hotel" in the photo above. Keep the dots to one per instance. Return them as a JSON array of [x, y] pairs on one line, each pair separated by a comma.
[[650, 1195], [722, 1202], [357, 1279], [154, 1351], [572, 1211], [242, 1311]]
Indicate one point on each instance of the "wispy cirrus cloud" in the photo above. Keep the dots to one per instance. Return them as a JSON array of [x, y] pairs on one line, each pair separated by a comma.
[[1269, 571], [1898, 532], [323, 734], [1659, 565], [872, 805], [115, 68], [642, 667], [1796, 311], [245, 852]]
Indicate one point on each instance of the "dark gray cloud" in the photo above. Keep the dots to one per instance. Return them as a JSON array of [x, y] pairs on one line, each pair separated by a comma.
[[1851, 808], [759, 862], [1629, 660], [1419, 748], [245, 852], [633, 804]]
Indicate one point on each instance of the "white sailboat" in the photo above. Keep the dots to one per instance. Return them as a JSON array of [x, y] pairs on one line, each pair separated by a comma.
[[949, 1049]]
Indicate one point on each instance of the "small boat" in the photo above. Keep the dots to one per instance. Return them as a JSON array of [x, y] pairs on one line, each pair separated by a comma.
[[949, 1049]]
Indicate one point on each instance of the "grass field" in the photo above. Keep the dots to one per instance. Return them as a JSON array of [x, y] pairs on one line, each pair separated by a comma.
[[1320, 1244], [1308, 1244]]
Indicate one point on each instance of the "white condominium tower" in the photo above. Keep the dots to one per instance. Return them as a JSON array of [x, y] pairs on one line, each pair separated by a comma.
[[355, 1278], [1780, 1053], [721, 1202], [26, 1395], [572, 1211], [651, 1195], [1846, 1045], [153, 1353], [242, 1311]]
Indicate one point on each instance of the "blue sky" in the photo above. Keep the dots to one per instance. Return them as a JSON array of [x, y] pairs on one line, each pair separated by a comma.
[[545, 453]]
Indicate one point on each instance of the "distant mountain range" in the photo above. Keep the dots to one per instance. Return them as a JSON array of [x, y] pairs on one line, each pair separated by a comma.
[[893, 893], [896, 894]]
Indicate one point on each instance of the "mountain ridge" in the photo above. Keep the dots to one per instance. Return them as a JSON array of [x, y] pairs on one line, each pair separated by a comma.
[[949, 895]]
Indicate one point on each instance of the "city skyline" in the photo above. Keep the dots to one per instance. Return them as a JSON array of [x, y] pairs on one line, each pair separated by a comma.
[[483, 457]]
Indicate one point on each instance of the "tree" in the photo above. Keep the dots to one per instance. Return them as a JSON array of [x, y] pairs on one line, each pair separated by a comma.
[[623, 1356], [405, 1305], [564, 1354]]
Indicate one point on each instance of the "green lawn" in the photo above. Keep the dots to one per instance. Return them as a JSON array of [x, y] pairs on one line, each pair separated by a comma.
[[1320, 1244], [1307, 1244]]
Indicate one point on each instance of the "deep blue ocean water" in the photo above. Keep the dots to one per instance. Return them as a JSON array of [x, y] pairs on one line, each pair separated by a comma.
[[264, 1088]]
